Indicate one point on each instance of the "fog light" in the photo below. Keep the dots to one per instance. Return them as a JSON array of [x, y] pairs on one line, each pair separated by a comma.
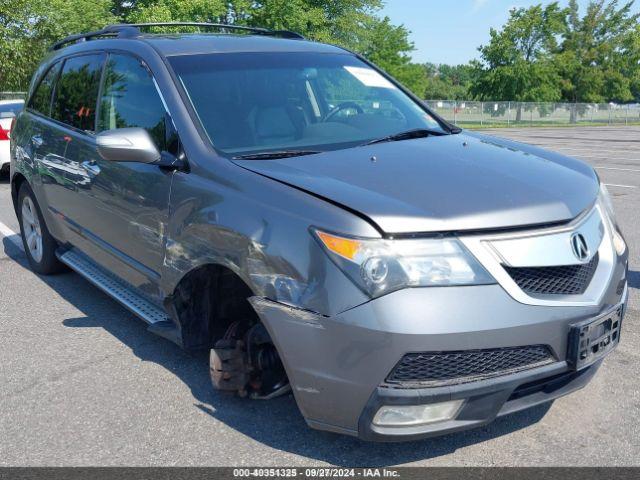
[[412, 415], [618, 243]]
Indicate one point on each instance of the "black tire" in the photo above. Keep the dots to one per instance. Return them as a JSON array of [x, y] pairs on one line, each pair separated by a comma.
[[4, 172], [45, 262]]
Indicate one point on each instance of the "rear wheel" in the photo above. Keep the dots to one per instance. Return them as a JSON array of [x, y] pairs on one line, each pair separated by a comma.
[[39, 245]]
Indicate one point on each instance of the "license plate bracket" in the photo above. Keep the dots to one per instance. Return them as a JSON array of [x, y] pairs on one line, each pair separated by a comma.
[[591, 340]]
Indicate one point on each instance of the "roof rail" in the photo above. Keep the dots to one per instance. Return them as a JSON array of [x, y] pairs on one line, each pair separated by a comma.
[[132, 30], [108, 31], [221, 26]]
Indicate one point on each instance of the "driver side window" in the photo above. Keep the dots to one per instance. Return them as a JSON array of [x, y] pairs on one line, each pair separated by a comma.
[[130, 99]]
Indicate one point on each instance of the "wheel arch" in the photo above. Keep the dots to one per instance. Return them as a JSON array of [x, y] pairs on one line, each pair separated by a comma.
[[17, 181], [206, 301]]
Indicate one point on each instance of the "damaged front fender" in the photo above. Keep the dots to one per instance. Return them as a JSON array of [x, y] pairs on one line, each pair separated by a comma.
[[268, 245]]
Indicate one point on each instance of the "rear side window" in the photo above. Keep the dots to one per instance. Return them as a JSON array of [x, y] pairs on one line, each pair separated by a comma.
[[41, 99], [76, 92], [130, 99]]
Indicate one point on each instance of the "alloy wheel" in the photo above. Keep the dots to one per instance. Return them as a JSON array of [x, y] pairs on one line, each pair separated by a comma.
[[31, 229]]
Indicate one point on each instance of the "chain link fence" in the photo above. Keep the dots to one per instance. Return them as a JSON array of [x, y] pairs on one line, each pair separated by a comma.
[[13, 95], [531, 114]]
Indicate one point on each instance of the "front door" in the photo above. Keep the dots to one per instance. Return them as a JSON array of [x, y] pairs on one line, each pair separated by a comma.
[[128, 201]]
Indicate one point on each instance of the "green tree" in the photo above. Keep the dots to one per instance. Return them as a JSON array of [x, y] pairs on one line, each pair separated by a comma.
[[29, 27], [175, 10], [17, 39], [449, 82], [517, 63], [598, 58], [632, 67], [388, 46]]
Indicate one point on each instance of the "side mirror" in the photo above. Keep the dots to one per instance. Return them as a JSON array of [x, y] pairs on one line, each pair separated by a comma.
[[127, 145]]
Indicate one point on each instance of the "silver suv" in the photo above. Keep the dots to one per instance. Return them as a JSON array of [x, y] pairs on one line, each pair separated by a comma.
[[294, 210]]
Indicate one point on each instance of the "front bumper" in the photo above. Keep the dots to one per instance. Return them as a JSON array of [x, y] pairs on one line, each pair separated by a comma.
[[484, 400], [337, 365]]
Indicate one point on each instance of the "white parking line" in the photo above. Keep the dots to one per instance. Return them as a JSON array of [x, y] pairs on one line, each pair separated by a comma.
[[10, 235], [602, 148], [619, 169], [604, 156], [621, 186]]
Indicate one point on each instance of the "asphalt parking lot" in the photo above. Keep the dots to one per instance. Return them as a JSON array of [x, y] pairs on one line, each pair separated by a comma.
[[83, 383]]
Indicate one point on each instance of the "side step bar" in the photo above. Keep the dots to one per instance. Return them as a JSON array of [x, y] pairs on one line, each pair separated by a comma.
[[115, 288]]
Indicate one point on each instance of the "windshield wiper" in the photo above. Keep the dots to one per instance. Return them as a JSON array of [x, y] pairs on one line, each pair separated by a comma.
[[408, 135], [276, 155]]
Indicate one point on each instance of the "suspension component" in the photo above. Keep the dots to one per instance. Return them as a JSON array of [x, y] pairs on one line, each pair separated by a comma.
[[227, 366], [249, 366]]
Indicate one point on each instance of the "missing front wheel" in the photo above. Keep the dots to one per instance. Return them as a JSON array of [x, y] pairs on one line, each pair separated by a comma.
[[248, 364]]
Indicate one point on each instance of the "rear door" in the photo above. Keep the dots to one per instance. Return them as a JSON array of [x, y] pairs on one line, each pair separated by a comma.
[[66, 140]]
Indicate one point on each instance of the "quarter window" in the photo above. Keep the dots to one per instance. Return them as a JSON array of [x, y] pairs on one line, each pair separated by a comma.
[[130, 99], [77, 92], [41, 98]]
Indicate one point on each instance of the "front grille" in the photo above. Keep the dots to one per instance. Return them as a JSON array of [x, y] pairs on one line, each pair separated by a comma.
[[562, 280], [430, 369]]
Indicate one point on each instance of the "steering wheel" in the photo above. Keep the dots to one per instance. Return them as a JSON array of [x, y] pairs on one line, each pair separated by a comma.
[[343, 106]]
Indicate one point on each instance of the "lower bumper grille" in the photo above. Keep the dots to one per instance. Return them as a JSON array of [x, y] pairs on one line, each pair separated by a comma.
[[431, 369], [562, 280]]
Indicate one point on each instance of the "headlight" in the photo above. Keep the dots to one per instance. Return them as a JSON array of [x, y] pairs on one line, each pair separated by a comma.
[[381, 266], [604, 198]]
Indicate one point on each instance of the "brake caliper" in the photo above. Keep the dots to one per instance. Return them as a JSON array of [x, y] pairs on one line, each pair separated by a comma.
[[249, 366]]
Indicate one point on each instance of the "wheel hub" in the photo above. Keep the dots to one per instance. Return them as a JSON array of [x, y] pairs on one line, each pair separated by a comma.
[[31, 229]]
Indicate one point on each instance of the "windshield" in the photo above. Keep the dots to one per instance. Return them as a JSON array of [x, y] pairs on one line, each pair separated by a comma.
[[262, 102]]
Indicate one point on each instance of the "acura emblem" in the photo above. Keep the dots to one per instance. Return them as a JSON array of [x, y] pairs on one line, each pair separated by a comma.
[[579, 246]]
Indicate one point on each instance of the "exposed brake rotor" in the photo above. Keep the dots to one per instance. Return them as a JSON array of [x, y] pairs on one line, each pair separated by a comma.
[[249, 365]]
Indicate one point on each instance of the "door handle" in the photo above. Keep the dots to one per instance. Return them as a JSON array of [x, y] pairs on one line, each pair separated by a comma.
[[37, 141]]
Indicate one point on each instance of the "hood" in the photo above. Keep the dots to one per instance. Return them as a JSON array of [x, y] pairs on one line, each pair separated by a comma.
[[457, 182]]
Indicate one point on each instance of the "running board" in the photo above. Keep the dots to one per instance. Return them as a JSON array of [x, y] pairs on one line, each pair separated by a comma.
[[114, 287]]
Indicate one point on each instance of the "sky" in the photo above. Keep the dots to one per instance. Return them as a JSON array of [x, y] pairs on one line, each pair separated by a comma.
[[450, 31]]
